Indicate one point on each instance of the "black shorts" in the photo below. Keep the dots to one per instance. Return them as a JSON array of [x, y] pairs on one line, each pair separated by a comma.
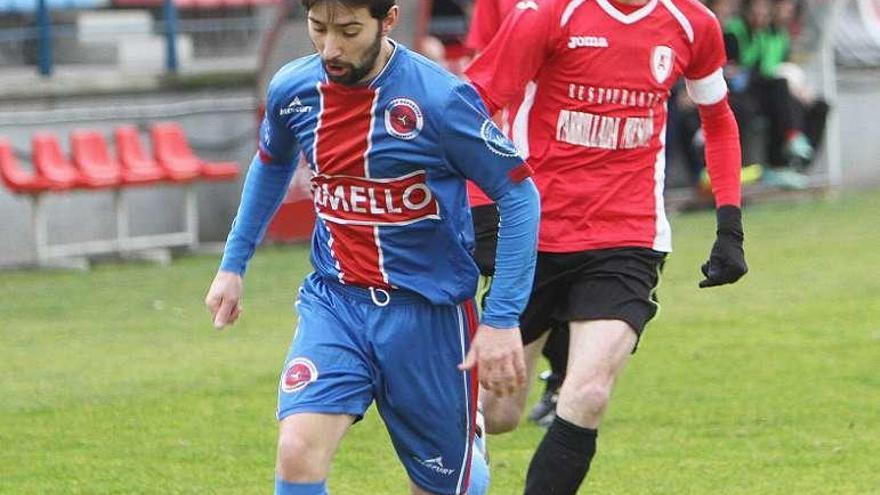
[[603, 284], [485, 237]]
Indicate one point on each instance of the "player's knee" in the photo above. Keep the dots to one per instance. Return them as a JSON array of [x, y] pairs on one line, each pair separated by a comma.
[[503, 418], [300, 458], [589, 399]]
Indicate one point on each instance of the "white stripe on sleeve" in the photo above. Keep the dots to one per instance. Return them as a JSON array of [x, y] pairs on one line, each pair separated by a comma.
[[708, 90]]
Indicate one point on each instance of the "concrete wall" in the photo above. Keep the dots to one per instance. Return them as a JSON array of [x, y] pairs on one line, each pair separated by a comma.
[[858, 107], [226, 134]]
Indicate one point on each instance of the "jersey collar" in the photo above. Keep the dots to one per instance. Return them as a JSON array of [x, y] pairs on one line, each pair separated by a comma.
[[630, 18], [389, 65]]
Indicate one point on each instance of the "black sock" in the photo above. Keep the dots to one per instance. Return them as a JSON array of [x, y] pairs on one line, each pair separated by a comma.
[[562, 459]]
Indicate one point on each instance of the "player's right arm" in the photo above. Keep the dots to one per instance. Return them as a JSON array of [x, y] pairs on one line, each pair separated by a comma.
[[477, 150], [265, 186], [528, 36]]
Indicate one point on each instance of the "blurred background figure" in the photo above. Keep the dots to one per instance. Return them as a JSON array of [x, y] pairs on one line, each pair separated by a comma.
[[759, 43], [781, 118]]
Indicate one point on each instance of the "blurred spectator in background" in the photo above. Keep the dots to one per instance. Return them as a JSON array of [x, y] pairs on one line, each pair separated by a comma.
[[689, 132], [759, 46]]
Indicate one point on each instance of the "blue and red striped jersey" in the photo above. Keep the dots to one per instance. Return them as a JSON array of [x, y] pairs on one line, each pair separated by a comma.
[[389, 162]]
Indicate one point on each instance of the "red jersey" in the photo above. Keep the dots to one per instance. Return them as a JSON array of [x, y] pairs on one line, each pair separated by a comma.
[[485, 21], [592, 123]]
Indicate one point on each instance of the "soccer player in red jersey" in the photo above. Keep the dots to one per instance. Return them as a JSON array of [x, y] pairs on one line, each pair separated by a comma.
[[597, 75]]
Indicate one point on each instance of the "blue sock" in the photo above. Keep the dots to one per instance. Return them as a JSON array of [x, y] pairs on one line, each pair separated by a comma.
[[479, 470], [287, 488]]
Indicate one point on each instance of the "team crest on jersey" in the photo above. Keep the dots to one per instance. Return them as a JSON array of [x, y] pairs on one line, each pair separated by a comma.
[[298, 373], [495, 140], [403, 118], [661, 62]]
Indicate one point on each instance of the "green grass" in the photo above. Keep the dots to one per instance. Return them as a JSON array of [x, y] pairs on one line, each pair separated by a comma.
[[114, 382]]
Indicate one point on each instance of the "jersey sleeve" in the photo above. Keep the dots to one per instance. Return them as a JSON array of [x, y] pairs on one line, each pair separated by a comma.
[[527, 37], [709, 52], [484, 24], [264, 188], [475, 147], [278, 144]]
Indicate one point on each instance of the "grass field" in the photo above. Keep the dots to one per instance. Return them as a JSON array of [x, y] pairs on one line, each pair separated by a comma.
[[114, 382]]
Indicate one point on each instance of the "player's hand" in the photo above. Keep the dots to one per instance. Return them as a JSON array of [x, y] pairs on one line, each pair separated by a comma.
[[498, 354], [727, 262], [224, 299]]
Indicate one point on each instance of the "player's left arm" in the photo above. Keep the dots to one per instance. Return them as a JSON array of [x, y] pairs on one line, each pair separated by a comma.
[[707, 88], [479, 151]]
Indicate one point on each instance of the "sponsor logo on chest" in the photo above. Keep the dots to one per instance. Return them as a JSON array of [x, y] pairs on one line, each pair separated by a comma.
[[587, 42], [604, 132], [363, 201]]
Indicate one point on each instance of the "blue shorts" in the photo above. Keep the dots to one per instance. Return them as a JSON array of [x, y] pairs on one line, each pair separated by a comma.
[[349, 351]]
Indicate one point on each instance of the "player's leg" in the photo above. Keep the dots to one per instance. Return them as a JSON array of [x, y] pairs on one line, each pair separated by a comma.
[[599, 350], [427, 403], [502, 414], [325, 385], [556, 352], [608, 307], [306, 445]]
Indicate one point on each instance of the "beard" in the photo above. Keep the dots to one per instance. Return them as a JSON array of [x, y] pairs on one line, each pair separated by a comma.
[[356, 73]]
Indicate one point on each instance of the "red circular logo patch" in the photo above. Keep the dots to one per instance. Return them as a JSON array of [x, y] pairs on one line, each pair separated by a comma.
[[298, 373], [403, 118]]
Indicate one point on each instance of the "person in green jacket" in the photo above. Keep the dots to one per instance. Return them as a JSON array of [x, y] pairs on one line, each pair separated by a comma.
[[758, 48]]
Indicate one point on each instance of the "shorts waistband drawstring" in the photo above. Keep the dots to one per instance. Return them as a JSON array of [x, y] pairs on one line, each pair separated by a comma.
[[377, 296], [376, 300]]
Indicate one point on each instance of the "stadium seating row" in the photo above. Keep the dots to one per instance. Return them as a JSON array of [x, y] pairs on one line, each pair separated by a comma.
[[91, 167]]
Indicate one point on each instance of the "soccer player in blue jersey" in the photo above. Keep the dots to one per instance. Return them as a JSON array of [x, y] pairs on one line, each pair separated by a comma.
[[388, 313]]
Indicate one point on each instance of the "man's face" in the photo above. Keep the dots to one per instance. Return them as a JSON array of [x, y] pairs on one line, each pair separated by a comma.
[[759, 14], [348, 40]]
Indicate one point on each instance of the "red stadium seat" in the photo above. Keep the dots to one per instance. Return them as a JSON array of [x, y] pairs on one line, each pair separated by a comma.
[[16, 178], [173, 152], [137, 166], [177, 158], [91, 156], [208, 4], [50, 162], [218, 171]]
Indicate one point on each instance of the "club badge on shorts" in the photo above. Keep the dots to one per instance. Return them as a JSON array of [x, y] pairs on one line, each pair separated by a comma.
[[403, 118], [661, 63], [298, 373]]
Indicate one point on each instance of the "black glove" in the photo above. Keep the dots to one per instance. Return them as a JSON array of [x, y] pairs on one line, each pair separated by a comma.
[[727, 262]]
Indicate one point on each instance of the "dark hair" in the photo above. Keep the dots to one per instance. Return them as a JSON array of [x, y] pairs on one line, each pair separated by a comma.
[[378, 8]]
